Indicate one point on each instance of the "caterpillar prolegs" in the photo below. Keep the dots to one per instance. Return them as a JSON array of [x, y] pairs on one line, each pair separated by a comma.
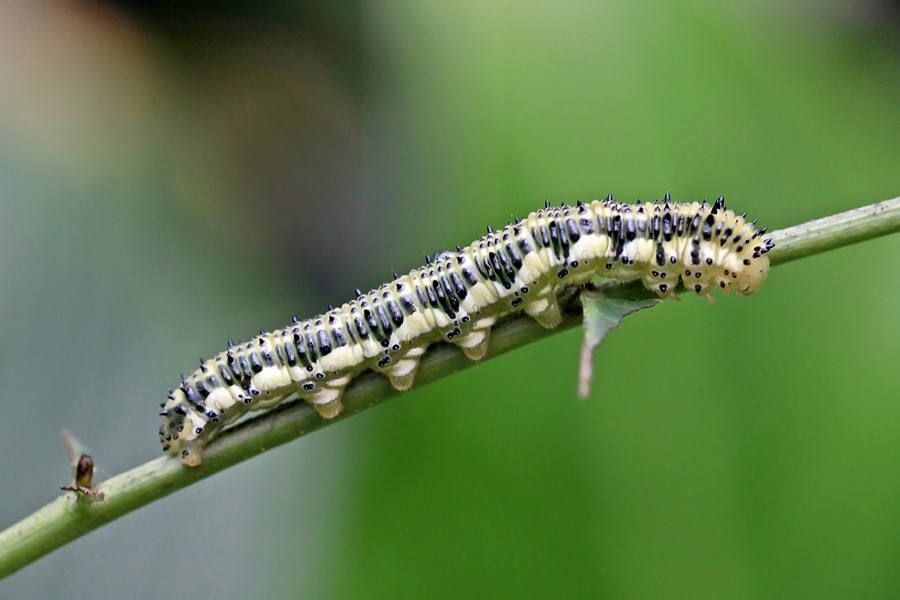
[[457, 297]]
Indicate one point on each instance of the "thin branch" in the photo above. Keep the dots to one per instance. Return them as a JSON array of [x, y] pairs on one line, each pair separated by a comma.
[[66, 519], [839, 230]]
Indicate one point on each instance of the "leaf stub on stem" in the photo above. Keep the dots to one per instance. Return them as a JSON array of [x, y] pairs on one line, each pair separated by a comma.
[[602, 314]]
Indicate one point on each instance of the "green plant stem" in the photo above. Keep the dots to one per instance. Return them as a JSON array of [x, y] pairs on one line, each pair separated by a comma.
[[66, 519], [814, 237]]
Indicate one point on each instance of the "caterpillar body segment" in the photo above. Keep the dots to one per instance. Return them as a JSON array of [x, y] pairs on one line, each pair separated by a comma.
[[457, 297]]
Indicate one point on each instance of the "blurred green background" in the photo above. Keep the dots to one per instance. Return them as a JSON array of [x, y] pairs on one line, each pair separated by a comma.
[[174, 174]]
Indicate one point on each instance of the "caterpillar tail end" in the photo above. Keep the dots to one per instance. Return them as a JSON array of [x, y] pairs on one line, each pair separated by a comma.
[[191, 457]]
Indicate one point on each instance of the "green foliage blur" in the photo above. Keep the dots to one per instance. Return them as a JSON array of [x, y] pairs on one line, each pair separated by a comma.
[[172, 176]]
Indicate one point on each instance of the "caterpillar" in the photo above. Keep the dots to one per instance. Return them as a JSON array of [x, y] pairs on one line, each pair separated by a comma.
[[457, 297]]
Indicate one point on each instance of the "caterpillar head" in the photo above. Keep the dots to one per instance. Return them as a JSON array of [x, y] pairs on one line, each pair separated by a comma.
[[750, 277]]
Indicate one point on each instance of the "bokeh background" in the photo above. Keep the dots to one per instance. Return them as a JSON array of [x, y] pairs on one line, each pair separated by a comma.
[[176, 173]]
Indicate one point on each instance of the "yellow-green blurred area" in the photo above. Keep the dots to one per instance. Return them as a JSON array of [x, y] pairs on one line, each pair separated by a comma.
[[173, 174]]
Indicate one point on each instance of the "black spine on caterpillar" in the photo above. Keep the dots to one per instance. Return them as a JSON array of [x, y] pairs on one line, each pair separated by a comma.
[[457, 296]]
